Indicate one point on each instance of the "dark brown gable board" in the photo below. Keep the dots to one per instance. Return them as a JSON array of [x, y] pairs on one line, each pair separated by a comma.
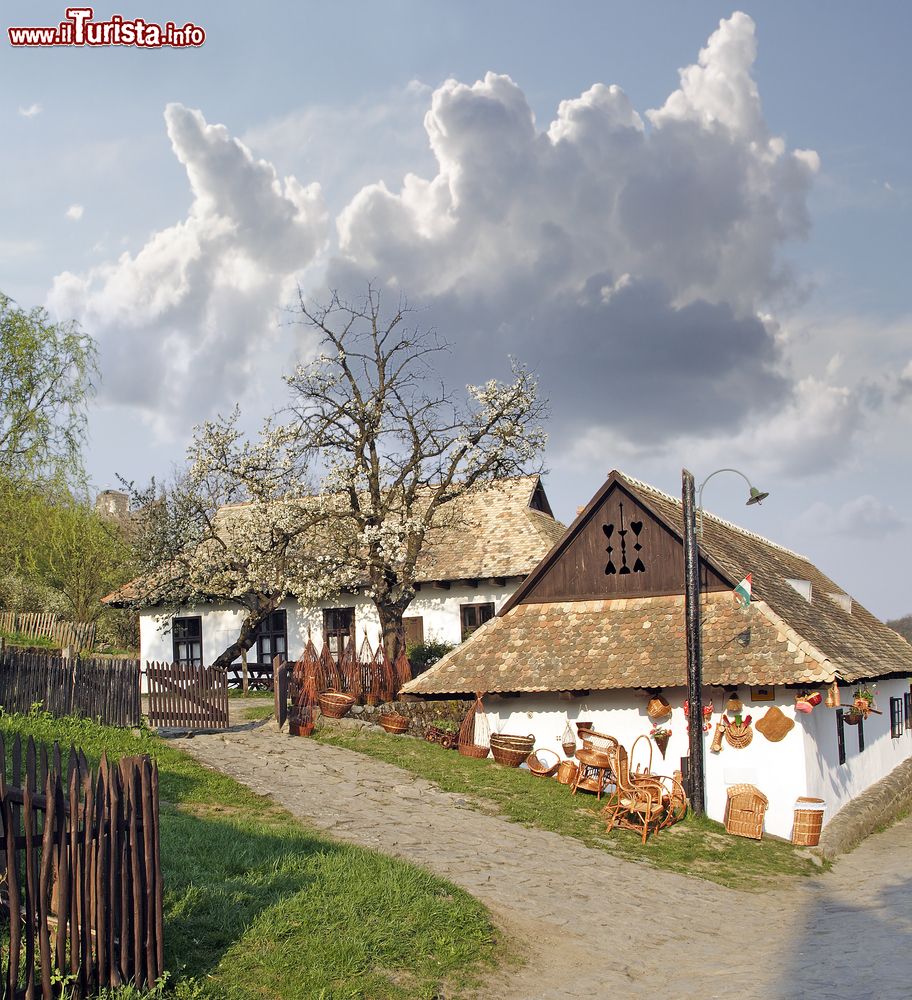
[[599, 557]]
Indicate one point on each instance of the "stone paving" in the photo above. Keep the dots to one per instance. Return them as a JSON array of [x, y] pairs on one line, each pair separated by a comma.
[[591, 925]]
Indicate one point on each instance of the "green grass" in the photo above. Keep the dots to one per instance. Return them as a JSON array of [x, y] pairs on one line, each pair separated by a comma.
[[21, 639], [696, 846], [256, 713], [258, 906]]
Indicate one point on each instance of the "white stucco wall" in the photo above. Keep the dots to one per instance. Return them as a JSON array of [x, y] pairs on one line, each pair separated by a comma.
[[221, 622], [837, 784], [804, 763]]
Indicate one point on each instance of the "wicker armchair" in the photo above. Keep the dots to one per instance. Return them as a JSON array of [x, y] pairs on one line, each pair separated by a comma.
[[642, 801]]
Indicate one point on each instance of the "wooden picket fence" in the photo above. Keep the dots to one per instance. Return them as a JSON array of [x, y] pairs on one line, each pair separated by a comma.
[[182, 696], [47, 625], [80, 872], [104, 690]]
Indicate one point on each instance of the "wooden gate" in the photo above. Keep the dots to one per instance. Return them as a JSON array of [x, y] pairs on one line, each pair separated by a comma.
[[182, 696]]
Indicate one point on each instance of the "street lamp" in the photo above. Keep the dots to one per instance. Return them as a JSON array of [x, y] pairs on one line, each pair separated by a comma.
[[692, 622]]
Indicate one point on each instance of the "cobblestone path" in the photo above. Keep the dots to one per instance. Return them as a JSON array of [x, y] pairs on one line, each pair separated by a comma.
[[590, 925]]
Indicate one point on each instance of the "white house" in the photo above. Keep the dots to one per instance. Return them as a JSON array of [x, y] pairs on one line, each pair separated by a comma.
[[471, 566], [598, 626]]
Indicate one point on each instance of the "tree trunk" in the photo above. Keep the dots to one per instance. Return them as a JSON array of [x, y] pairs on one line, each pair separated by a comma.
[[247, 636], [391, 629]]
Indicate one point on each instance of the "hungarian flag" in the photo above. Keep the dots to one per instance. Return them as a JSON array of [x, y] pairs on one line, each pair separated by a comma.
[[743, 592]]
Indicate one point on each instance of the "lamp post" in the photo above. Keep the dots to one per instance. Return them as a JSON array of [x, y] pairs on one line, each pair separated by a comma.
[[692, 623]]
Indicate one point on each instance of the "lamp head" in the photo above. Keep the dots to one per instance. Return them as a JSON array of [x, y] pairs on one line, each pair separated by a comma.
[[756, 496]]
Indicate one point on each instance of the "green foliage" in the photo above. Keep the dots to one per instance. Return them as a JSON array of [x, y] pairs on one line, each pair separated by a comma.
[[426, 654], [47, 373], [258, 905], [698, 847]]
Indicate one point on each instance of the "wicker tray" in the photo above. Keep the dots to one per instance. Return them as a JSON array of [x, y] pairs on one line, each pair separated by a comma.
[[394, 723], [509, 758], [334, 704], [543, 763]]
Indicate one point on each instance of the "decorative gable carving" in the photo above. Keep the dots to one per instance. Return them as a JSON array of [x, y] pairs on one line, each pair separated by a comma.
[[617, 549]]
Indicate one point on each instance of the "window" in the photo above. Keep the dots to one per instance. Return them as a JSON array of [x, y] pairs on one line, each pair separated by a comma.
[[413, 627], [473, 616], [907, 705], [896, 718], [187, 637], [338, 629], [272, 638], [840, 736]]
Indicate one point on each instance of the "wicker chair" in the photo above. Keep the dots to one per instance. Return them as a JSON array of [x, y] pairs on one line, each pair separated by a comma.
[[594, 773], [642, 801]]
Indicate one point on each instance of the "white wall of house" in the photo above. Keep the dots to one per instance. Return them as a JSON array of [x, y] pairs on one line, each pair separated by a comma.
[[439, 609], [838, 783], [804, 763]]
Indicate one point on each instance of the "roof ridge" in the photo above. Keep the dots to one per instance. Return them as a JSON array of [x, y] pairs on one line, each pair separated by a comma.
[[715, 517]]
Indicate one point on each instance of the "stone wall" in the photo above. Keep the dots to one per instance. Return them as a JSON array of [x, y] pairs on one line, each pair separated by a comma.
[[422, 713], [879, 805]]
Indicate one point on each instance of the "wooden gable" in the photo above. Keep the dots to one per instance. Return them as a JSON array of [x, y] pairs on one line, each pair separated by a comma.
[[617, 547]]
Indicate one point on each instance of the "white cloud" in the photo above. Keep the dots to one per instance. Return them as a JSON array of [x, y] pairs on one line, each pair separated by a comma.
[[864, 517], [627, 257], [183, 321], [31, 111], [75, 212]]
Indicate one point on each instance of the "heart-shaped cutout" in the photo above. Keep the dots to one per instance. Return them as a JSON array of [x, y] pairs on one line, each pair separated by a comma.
[[608, 529], [637, 526]]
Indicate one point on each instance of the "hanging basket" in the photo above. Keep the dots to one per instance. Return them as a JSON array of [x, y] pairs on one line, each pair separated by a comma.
[[852, 718], [658, 708], [662, 743], [568, 740], [832, 698], [739, 735]]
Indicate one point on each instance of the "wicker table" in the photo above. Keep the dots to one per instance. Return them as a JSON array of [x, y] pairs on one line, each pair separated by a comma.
[[595, 771]]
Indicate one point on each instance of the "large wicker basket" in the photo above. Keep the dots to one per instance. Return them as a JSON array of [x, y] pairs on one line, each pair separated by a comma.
[[808, 822], [473, 750], [745, 810], [394, 723], [508, 742], [509, 758], [335, 704]]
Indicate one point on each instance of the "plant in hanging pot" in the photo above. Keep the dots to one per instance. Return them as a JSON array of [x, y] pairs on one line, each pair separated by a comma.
[[863, 699], [660, 736]]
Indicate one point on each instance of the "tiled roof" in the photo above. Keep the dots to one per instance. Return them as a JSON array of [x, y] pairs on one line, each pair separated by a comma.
[[490, 532], [621, 643], [639, 642], [856, 642]]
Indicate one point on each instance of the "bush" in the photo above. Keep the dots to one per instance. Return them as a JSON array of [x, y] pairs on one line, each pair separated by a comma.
[[426, 654]]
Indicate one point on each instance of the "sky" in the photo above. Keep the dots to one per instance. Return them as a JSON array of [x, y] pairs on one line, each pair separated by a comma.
[[691, 220]]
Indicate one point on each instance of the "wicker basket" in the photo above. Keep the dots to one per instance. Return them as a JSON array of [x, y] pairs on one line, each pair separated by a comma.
[[473, 750], [738, 736], [506, 742], [509, 758], [335, 704], [394, 723], [566, 772], [658, 708], [745, 810], [543, 763], [808, 822]]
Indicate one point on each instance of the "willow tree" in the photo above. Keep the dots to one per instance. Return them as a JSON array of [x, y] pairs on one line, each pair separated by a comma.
[[397, 445]]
